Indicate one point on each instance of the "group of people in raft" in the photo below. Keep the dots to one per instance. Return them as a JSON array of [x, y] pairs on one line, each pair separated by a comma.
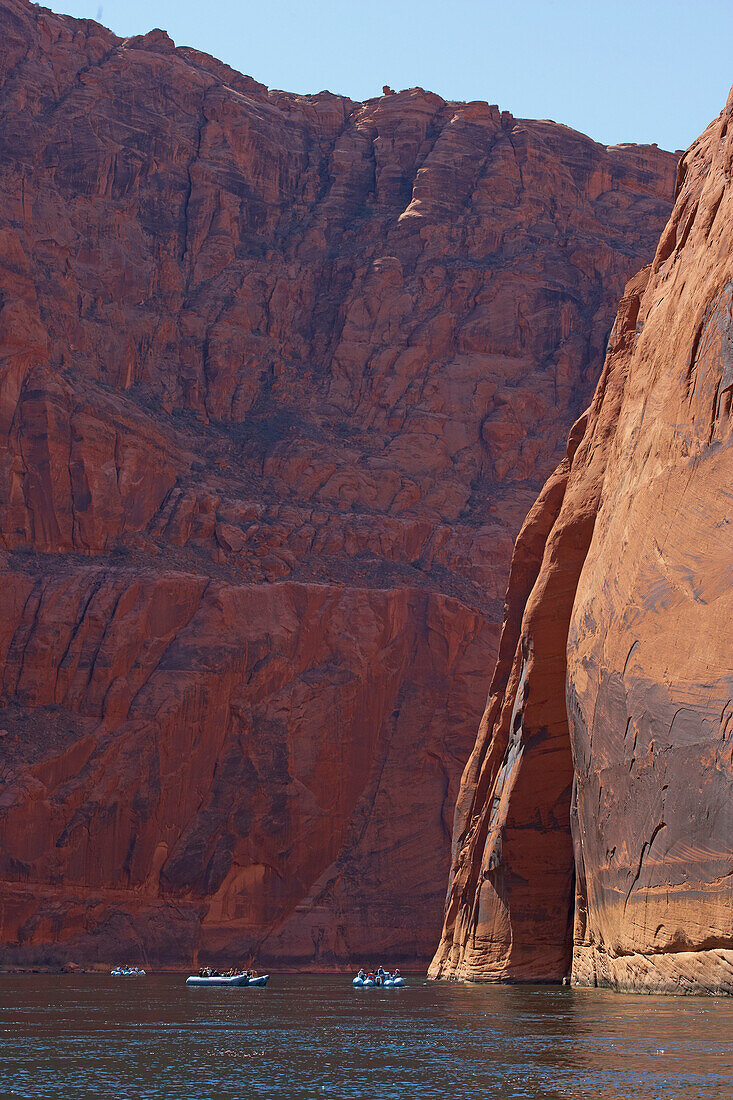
[[211, 972], [378, 976]]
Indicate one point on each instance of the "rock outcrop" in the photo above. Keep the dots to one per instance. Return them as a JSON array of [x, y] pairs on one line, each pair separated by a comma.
[[610, 714], [280, 376]]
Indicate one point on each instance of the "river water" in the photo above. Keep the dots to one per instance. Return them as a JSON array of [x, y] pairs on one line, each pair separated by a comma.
[[96, 1037]]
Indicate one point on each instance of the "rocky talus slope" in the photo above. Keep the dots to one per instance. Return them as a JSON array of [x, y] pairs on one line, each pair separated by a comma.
[[610, 714], [280, 376]]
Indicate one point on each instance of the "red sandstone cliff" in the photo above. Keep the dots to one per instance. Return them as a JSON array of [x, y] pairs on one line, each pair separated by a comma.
[[279, 378], [615, 674]]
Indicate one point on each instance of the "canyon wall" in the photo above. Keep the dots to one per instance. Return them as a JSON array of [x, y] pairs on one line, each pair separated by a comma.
[[594, 826], [280, 376]]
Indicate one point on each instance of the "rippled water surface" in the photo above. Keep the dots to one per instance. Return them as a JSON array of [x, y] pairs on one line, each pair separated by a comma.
[[99, 1038]]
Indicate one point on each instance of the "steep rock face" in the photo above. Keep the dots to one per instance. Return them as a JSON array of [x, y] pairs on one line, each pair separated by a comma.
[[280, 376], [615, 671], [222, 767], [650, 648]]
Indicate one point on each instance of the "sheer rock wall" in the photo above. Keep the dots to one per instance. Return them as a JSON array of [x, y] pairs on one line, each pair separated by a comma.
[[280, 376], [610, 706]]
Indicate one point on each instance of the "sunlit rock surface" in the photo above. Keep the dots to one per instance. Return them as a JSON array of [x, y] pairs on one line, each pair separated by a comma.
[[614, 681], [280, 377]]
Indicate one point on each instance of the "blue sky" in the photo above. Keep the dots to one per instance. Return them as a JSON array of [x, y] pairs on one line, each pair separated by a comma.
[[647, 71]]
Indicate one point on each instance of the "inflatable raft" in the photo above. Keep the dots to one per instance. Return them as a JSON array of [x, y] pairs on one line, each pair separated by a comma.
[[235, 979], [387, 983], [123, 972]]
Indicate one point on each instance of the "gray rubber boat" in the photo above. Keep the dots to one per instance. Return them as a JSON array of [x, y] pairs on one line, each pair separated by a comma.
[[236, 979]]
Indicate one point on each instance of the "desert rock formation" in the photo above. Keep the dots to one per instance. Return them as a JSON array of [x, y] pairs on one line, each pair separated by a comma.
[[610, 712], [280, 376]]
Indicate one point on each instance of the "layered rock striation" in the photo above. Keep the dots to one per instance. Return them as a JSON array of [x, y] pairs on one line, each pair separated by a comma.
[[280, 376], [610, 714]]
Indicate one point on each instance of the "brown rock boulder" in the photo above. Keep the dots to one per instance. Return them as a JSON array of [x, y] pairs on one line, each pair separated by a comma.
[[614, 678], [279, 377]]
